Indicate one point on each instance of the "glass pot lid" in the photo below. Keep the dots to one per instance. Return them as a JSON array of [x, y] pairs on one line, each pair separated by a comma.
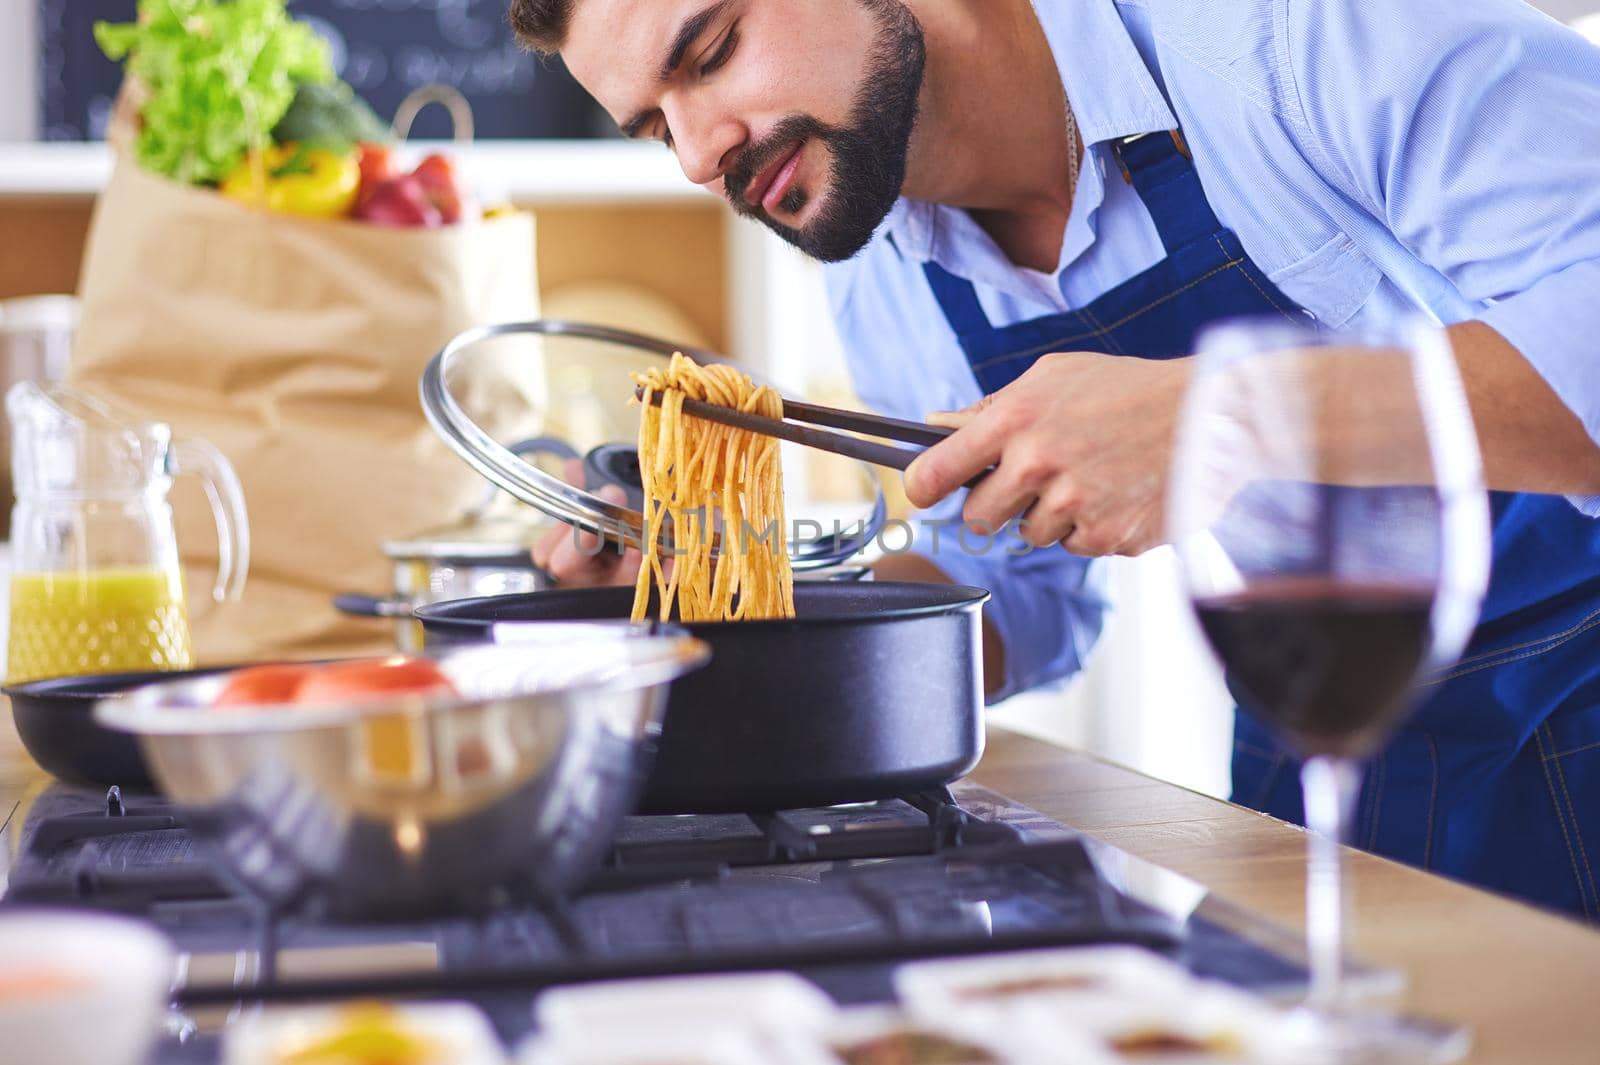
[[576, 387]]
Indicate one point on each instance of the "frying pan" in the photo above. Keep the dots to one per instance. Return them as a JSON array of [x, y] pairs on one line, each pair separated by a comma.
[[55, 721], [873, 691]]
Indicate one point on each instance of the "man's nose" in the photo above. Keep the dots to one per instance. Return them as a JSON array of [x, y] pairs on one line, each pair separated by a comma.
[[706, 147]]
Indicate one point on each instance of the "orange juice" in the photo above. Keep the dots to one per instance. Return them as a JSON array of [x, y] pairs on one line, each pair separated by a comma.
[[100, 621]]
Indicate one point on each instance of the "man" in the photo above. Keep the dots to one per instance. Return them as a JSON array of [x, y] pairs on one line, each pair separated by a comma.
[[1035, 206]]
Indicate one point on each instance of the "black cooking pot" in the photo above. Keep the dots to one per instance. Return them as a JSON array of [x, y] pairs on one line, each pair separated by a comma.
[[875, 690]]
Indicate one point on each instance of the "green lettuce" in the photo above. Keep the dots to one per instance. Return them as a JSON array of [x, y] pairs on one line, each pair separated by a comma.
[[220, 73]]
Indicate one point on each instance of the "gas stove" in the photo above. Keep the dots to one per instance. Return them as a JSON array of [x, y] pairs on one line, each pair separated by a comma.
[[840, 895]]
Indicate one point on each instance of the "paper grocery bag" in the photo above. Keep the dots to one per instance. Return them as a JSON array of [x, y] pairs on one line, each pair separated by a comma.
[[296, 346]]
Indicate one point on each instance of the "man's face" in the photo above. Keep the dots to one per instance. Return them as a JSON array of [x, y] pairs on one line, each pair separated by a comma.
[[799, 111]]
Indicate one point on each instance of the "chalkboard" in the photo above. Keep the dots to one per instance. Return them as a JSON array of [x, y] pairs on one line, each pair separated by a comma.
[[384, 48]]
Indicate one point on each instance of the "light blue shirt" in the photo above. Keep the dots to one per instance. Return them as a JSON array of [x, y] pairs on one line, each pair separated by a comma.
[[1374, 158]]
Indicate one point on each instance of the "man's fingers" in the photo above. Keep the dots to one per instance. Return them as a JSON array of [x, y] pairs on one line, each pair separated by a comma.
[[955, 419], [953, 462], [1042, 528], [1058, 514], [997, 499], [583, 560], [1086, 544], [952, 419], [545, 546]]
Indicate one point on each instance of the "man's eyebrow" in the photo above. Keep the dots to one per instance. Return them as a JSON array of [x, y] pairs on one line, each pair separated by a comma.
[[682, 41], [688, 33]]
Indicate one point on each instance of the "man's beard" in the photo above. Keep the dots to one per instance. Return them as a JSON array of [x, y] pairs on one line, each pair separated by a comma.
[[869, 154]]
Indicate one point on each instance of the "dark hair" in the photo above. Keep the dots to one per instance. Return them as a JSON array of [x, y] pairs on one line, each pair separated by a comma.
[[541, 24]]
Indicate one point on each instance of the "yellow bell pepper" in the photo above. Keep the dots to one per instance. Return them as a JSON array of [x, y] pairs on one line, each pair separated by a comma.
[[314, 182]]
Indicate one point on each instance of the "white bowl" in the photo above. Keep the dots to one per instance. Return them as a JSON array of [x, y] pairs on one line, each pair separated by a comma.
[[112, 977]]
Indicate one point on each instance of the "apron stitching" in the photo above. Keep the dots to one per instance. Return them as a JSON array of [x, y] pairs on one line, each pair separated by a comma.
[[1573, 750], [1561, 777], [1551, 645], [1105, 336], [1433, 797], [1269, 778], [1561, 820], [1250, 748], [1246, 272], [1381, 771], [1055, 345], [1362, 820], [1579, 627]]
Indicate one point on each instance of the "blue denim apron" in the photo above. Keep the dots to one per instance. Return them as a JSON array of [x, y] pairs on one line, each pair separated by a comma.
[[1496, 779]]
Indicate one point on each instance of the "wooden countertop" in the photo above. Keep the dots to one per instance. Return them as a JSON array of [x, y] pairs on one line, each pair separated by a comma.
[[1522, 980]]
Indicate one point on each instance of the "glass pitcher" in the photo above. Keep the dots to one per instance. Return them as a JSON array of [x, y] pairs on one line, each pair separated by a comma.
[[96, 585]]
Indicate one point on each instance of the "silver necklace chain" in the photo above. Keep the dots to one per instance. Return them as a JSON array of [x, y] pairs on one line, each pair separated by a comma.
[[1075, 151]]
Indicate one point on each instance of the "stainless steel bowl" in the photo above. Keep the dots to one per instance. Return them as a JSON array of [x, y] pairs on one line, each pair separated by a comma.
[[413, 804]]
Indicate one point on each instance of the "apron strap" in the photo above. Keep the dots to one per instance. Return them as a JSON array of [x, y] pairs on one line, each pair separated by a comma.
[[1158, 165], [958, 299]]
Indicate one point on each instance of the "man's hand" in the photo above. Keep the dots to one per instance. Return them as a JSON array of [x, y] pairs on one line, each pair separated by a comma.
[[578, 559], [1081, 445]]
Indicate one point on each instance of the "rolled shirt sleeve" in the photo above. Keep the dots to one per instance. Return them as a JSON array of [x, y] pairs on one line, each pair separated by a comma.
[[1471, 128]]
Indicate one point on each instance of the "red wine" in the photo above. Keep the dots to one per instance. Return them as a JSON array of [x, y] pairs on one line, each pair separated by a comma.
[[1329, 665]]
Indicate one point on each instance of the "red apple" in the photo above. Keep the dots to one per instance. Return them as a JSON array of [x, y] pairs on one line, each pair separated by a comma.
[[400, 201]]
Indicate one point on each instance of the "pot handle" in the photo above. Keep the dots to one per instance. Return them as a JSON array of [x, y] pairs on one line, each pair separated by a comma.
[[370, 606]]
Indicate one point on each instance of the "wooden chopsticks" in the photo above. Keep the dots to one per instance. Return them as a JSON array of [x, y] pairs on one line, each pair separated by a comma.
[[897, 458]]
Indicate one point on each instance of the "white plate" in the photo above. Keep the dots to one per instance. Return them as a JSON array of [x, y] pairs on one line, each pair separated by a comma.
[[460, 1032], [1004, 1044], [1105, 994], [937, 988], [685, 1047], [699, 1003], [1228, 1026]]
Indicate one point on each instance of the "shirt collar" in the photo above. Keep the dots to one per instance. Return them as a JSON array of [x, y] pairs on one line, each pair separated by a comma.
[[1112, 93]]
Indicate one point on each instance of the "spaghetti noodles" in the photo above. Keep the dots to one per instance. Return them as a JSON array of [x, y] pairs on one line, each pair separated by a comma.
[[720, 490]]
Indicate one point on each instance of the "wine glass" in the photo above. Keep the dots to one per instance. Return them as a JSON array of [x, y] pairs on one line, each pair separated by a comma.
[[1328, 511]]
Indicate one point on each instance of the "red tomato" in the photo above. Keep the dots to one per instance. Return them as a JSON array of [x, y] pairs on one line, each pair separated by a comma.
[[262, 686], [442, 184], [377, 166], [344, 682]]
